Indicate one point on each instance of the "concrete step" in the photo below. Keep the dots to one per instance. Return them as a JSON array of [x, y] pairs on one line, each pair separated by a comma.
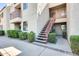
[[42, 38], [43, 29], [41, 41], [42, 33]]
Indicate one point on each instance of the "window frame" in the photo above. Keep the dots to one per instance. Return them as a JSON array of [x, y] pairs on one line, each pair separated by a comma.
[[25, 25], [25, 5]]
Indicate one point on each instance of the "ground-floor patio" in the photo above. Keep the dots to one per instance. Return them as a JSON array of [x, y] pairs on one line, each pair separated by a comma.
[[32, 49]]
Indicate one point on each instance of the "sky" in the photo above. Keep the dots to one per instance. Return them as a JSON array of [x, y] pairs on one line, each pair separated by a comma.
[[2, 5]]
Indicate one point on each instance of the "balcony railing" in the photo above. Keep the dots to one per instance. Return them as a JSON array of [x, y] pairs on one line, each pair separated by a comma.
[[15, 14]]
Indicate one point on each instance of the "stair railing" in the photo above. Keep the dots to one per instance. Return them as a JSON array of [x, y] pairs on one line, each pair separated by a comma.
[[51, 22]]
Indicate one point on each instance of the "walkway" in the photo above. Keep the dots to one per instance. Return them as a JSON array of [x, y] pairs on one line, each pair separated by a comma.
[[29, 49]]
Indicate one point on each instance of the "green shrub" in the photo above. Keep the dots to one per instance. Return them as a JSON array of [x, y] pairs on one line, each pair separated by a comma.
[[23, 35], [2, 32], [13, 33], [9, 33], [31, 36], [74, 39], [52, 37]]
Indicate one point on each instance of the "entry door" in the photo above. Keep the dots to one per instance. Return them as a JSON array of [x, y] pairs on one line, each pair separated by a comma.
[[18, 26]]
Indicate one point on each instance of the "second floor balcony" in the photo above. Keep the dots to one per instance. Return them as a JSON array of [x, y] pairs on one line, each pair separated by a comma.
[[15, 14]]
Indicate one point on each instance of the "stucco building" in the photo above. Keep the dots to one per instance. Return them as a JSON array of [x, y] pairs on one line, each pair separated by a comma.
[[34, 17]]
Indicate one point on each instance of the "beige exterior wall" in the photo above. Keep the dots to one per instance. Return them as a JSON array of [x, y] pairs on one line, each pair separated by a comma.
[[5, 19], [42, 19], [54, 4], [73, 19], [30, 16], [1, 23], [61, 20], [40, 7]]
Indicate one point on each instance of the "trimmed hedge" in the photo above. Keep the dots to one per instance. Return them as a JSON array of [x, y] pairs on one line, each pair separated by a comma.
[[2, 32], [13, 33], [22, 35], [31, 36], [74, 39], [52, 37]]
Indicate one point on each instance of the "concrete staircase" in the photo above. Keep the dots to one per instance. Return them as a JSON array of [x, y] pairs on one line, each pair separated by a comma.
[[43, 35]]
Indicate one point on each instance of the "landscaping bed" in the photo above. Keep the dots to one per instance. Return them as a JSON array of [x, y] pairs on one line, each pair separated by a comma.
[[75, 44], [2, 33], [13, 33], [31, 36], [21, 35], [52, 37]]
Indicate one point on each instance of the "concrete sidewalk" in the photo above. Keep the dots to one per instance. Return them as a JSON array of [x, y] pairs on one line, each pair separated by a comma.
[[61, 45], [29, 49]]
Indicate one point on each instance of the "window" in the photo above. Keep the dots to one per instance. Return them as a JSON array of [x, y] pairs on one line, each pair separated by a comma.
[[25, 26], [24, 5]]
